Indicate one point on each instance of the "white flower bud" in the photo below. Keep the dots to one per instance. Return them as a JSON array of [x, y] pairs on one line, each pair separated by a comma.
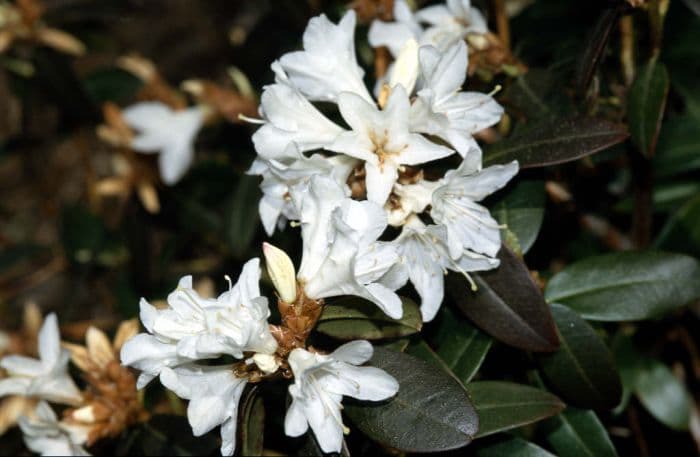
[[266, 362], [281, 271], [406, 67]]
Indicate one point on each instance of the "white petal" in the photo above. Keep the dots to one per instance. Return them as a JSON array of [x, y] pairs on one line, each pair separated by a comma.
[[386, 299], [23, 366], [174, 160], [354, 352], [393, 35], [14, 386], [147, 116], [49, 341], [434, 15], [380, 181], [420, 150], [295, 423], [368, 383], [228, 436]]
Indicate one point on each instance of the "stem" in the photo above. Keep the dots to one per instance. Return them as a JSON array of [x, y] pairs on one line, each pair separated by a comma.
[[502, 25], [627, 49], [642, 179]]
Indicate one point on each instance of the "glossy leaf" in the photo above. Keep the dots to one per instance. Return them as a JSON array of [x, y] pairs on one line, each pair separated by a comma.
[[242, 218], [682, 231], [507, 305], [430, 413], [512, 446], [504, 405], [353, 318], [579, 433], [626, 285], [521, 209], [582, 371], [662, 394], [462, 347], [251, 426], [646, 105], [556, 141]]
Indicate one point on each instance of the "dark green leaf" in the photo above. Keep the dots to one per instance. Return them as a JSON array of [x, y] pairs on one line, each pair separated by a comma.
[[662, 394], [111, 84], [579, 433], [353, 318], [507, 305], [693, 5], [83, 234], [667, 196], [626, 285], [682, 231], [242, 215], [582, 371], [430, 413], [172, 435], [419, 348], [538, 93], [251, 426], [512, 446], [678, 150], [556, 141], [646, 105], [504, 405], [595, 44], [462, 347], [522, 210]]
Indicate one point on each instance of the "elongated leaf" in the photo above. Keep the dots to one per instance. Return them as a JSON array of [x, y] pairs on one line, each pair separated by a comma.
[[646, 105], [595, 44], [252, 424], [682, 231], [512, 446], [626, 285], [693, 5], [430, 413], [579, 433], [678, 151], [556, 141], [505, 405], [353, 318], [507, 305], [462, 347], [521, 209], [242, 215], [582, 371], [663, 395]]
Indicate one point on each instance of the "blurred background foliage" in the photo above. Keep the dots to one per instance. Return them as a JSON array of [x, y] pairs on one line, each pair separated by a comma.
[[90, 258]]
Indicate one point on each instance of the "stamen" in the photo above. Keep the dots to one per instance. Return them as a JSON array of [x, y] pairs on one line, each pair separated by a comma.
[[495, 90], [252, 120]]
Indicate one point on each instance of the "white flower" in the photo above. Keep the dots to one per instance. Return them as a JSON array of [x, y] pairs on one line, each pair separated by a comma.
[[341, 255], [441, 109], [409, 199], [450, 23], [327, 66], [382, 139], [393, 35], [194, 328], [425, 259], [290, 118], [321, 381], [45, 435], [168, 132], [470, 225], [214, 393], [46, 378]]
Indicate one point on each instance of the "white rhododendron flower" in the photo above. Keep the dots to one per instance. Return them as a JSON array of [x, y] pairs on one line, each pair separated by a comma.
[[444, 25], [318, 172], [441, 109], [340, 252], [46, 378], [193, 327], [321, 381], [168, 132], [214, 393], [45, 435]]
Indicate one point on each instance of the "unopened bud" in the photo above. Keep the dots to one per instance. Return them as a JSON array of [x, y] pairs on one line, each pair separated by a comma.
[[267, 363], [281, 271], [405, 70]]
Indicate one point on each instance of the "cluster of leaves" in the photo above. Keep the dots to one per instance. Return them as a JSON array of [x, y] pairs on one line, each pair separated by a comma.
[[576, 345]]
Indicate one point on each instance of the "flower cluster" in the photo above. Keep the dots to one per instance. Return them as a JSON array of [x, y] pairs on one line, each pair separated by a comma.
[[193, 328], [390, 155]]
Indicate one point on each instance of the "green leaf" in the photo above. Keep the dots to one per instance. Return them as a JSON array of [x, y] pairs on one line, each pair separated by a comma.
[[521, 209], [678, 151], [241, 216], [352, 318], [626, 285], [251, 426], [595, 44], [582, 371], [507, 305], [111, 84], [504, 405], [462, 347], [667, 196], [682, 231], [556, 141], [430, 413], [83, 234], [171, 435], [663, 395], [579, 433], [512, 446], [646, 105]]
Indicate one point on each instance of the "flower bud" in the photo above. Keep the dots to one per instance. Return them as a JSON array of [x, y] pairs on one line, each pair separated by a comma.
[[281, 271], [406, 67], [267, 363]]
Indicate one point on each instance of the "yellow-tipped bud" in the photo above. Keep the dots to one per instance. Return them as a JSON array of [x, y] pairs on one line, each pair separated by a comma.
[[281, 271]]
